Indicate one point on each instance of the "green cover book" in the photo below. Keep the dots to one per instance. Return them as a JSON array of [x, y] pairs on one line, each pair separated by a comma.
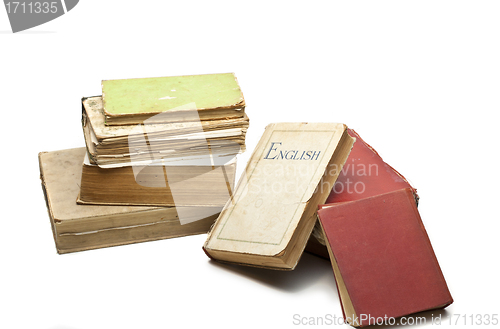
[[131, 101]]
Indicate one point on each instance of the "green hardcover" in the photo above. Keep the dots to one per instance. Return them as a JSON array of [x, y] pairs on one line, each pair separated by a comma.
[[156, 95]]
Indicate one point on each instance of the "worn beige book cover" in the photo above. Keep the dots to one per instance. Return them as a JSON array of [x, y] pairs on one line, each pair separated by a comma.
[[83, 227], [269, 219]]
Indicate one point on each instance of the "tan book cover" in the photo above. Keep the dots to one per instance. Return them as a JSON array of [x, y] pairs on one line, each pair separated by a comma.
[[82, 227], [270, 218]]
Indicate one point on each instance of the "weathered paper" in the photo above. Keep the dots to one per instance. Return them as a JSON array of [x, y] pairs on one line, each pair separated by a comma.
[[281, 177]]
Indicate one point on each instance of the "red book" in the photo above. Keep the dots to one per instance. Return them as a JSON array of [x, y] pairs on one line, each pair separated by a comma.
[[364, 175], [382, 258]]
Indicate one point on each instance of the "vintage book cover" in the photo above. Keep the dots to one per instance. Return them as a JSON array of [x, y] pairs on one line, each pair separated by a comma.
[[365, 174], [269, 219], [131, 101], [82, 227], [382, 258], [157, 185], [118, 146]]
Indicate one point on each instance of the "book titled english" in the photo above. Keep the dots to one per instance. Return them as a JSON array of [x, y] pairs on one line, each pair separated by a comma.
[[270, 216]]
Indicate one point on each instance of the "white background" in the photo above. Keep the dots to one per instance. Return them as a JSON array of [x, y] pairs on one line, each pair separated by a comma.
[[418, 80]]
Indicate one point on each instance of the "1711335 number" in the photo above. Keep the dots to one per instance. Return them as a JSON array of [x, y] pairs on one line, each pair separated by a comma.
[[31, 7]]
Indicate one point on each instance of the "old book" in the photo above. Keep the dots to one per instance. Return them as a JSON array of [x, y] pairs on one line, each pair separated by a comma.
[[131, 101], [157, 185], [365, 174], [117, 146], [382, 258], [82, 227], [273, 210]]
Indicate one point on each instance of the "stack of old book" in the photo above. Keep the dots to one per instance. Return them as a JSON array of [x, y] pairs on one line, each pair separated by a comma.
[[159, 161], [369, 225]]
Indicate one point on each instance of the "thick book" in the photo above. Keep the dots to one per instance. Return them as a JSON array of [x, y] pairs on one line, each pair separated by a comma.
[[131, 101], [83, 227], [382, 258], [157, 185], [271, 215], [118, 146], [365, 174]]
